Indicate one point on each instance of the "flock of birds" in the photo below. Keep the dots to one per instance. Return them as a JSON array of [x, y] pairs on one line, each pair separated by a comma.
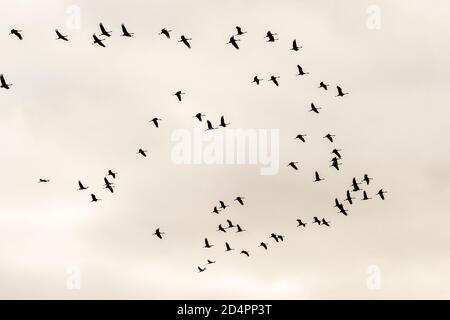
[[355, 186]]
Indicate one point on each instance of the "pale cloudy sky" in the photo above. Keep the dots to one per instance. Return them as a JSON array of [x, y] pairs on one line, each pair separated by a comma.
[[76, 110]]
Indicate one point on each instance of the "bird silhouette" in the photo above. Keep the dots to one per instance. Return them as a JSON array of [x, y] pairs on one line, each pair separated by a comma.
[[293, 165], [17, 33], [330, 137], [222, 122], [239, 31], [295, 47], [228, 248], [104, 32], [367, 179], [94, 198], [301, 223], [340, 206], [199, 116], [264, 245], [233, 41], [274, 80], [335, 163], [60, 36], [106, 181], [3, 83], [207, 245], [109, 187], [98, 41], [274, 236], [300, 71], [215, 210], [142, 152], [381, 193], [280, 237], [222, 205], [230, 224], [365, 196], [270, 36], [220, 228], [355, 185], [80, 186], [239, 229], [185, 41], [211, 262], [245, 252], [325, 222], [340, 92], [301, 137], [165, 32], [178, 94], [43, 180], [317, 178], [201, 269], [155, 121], [256, 80], [349, 198], [240, 200], [209, 125], [125, 32], [314, 108], [316, 220], [112, 174], [323, 85], [336, 152], [158, 233]]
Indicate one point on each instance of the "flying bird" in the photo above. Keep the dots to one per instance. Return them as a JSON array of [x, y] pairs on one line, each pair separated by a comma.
[[199, 116], [366, 179], [215, 210], [323, 85], [245, 252], [201, 270], [233, 41], [239, 199], [239, 229], [335, 163], [142, 152], [158, 233], [230, 224], [295, 47], [293, 165], [336, 152], [109, 187], [3, 83], [228, 248], [316, 220], [80, 186], [365, 197], [340, 92], [270, 36], [256, 80], [209, 125], [301, 223], [355, 185], [211, 262], [314, 108], [112, 174], [103, 30], [329, 137], [222, 205], [274, 80], [300, 71], [222, 122], [125, 32], [185, 41], [274, 236], [94, 198], [155, 121], [17, 33], [381, 193], [61, 36], [349, 198], [98, 41], [264, 245], [301, 137], [165, 32], [280, 237], [207, 245], [317, 178], [178, 94], [221, 228], [43, 180], [325, 222], [239, 31], [106, 181]]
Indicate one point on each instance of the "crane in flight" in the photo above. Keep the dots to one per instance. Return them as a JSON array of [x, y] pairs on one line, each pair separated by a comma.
[[81, 186], [17, 33], [239, 229], [300, 71], [3, 83], [301, 223], [274, 79], [381, 193], [367, 179], [230, 224], [222, 122], [264, 245], [155, 122], [316, 220], [215, 210], [104, 31], [317, 178], [340, 92], [245, 252], [234, 41], [349, 197], [271, 36], [111, 173], [228, 248], [323, 85], [239, 31], [211, 262], [295, 47], [165, 32], [199, 116], [365, 196], [337, 153], [61, 36], [209, 126], [158, 233], [94, 198], [125, 32], [325, 222], [301, 137], [201, 269], [355, 185], [43, 180], [222, 205], [274, 236], [335, 163], [98, 41], [220, 228], [207, 245], [142, 152], [240, 200], [256, 80], [178, 94], [185, 41], [314, 108], [293, 165], [330, 137]]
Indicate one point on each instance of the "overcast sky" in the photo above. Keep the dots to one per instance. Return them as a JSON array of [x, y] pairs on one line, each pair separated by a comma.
[[76, 110]]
